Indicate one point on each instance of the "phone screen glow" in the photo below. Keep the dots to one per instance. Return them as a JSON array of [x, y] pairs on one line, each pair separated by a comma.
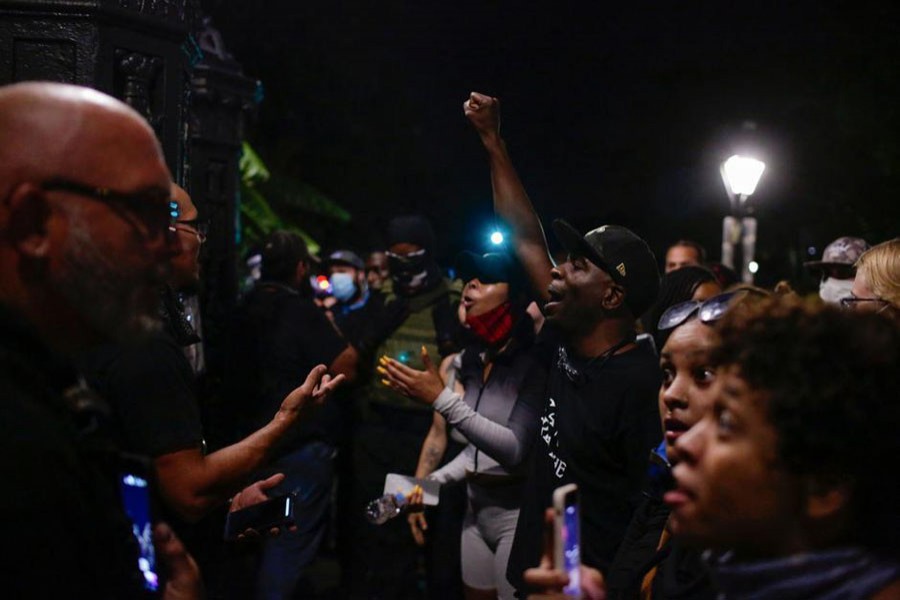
[[136, 501], [572, 550]]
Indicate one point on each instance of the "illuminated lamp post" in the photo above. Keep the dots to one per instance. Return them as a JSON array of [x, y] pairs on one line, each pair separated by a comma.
[[741, 175]]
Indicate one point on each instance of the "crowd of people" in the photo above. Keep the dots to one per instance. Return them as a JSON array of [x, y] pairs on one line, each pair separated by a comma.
[[727, 441]]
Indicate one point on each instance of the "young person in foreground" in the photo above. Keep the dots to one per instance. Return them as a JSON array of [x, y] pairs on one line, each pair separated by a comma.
[[788, 476]]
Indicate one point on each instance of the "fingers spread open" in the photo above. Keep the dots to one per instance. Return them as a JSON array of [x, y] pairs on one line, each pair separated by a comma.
[[399, 372]]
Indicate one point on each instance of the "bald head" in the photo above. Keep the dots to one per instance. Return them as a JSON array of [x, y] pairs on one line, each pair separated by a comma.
[[59, 130], [72, 258]]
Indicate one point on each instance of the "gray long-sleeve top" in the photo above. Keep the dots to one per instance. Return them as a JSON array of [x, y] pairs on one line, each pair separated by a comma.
[[499, 416]]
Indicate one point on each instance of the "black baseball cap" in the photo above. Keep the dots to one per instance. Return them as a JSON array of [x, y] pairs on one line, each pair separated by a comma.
[[345, 257], [622, 254], [492, 267]]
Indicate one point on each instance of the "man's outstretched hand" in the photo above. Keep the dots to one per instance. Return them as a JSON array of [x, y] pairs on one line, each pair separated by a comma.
[[315, 390], [484, 113]]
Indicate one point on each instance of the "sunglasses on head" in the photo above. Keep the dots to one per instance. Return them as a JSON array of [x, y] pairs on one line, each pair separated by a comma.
[[708, 311], [152, 207]]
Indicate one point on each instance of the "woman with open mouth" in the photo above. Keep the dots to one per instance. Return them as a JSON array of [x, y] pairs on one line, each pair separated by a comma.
[[480, 397], [784, 478], [650, 563]]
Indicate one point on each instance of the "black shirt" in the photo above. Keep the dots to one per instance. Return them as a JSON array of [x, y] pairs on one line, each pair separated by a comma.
[[600, 421], [354, 319], [681, 572], [279, 336], [151, 389], [65, 534]]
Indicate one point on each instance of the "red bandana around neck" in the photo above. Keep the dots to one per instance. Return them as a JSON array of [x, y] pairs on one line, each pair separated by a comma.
[[493, 326]]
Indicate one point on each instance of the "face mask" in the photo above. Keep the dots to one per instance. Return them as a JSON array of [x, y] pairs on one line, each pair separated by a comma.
[[831, 290], [493, 326], [343, 287], [409, 271]]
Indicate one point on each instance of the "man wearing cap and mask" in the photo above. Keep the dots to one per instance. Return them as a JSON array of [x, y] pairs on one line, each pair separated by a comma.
[[600, 404], [356, 303], [836, 270], [392, 426]]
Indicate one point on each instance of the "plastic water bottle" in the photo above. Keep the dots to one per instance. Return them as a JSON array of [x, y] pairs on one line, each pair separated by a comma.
[[381, 510]]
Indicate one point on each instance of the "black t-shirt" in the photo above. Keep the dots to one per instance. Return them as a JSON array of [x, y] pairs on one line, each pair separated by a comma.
[[354, 321], [151, 389], [600, 421], [279, 336], [65, 534]]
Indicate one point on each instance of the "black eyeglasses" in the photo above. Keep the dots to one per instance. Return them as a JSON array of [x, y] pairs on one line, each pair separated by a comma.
[[854, 303], [153, 207], [708, 311], [198, 227]]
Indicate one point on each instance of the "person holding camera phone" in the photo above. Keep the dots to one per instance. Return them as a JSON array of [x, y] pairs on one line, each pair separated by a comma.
[[482, 402]]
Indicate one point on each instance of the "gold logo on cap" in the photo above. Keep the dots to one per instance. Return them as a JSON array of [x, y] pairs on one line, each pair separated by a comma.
[[621, 269]]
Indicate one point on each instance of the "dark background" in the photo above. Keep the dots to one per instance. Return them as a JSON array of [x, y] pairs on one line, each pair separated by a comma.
[[612, 113]]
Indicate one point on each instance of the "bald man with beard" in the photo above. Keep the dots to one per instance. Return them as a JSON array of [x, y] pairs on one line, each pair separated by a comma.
[[84, 244]]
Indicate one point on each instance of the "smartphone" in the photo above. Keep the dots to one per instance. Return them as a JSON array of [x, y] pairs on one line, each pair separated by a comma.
[[567, 537], [134, 488], [274, 512]]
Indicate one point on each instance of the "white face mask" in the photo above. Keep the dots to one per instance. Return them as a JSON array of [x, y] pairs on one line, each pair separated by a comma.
[[831, 290]]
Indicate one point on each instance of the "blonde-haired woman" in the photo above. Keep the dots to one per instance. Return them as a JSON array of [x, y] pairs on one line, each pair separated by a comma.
[[877, 284]]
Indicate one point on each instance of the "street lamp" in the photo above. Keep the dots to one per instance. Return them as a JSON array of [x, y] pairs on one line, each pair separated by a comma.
[[741, 175]]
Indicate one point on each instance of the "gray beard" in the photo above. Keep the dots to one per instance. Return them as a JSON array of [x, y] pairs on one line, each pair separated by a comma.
[[119, 304]]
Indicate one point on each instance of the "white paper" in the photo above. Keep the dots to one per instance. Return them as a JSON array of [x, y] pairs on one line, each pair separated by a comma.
[[394, 483]]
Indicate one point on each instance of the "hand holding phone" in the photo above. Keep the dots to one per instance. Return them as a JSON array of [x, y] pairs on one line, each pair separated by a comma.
[[134, 489], [567, 537], [276, 512]]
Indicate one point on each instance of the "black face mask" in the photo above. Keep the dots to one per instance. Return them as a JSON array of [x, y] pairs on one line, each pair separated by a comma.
[[409, 270]]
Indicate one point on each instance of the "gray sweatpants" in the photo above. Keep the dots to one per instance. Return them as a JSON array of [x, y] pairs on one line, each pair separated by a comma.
[[487, 537]]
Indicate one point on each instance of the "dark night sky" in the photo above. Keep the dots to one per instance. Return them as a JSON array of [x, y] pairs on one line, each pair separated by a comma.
[[612, 114]]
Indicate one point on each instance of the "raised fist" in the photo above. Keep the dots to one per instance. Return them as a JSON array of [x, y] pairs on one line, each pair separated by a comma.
[[484, 113]]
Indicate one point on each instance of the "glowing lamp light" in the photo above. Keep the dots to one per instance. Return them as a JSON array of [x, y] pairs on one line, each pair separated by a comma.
[[322, 282], [741, 175], [753, 267], [497, 238]]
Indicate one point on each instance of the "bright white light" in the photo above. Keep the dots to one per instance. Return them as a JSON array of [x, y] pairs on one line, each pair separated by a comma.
[[741, 174], [753, 267], [496, 238]]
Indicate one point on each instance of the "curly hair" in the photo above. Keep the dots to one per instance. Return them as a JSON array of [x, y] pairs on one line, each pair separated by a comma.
[[831, 380]]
